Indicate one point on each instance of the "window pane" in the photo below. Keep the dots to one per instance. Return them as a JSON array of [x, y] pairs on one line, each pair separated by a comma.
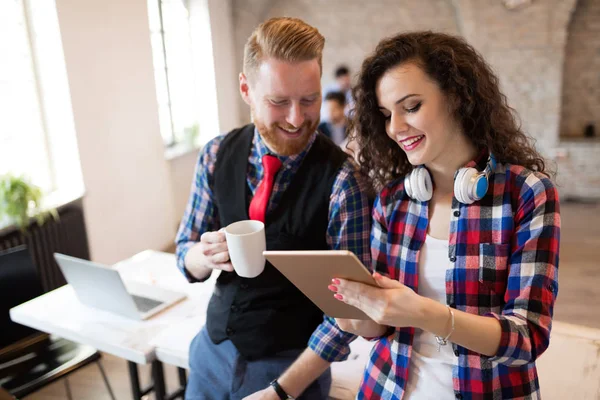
[[178, 73], [22, 138]]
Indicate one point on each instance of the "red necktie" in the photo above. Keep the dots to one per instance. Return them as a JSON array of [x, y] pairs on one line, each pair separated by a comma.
[[258, 206]]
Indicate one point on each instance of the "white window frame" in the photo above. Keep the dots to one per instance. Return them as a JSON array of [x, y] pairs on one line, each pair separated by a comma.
[[176, 124], [54, 108]]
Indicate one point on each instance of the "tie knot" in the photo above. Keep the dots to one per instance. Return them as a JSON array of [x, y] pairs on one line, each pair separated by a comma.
[[271, 164]]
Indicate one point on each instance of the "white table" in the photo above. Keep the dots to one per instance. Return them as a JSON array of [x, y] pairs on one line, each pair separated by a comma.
[[570, 368], [60, 313], [164, 338]]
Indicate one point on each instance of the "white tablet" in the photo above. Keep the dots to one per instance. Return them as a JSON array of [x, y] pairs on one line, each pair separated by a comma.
[[312, 271]]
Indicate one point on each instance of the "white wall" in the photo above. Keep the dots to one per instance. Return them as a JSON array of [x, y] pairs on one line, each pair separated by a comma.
[[181, 175], [128, 203], [131, 190], [226, 69]]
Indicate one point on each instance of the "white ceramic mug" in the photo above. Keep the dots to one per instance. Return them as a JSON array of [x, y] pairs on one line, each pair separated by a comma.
[[246, 243]]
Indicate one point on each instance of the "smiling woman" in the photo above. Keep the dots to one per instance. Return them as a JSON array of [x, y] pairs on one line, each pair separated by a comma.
[[466, 96], [422, 121], [467, 269]]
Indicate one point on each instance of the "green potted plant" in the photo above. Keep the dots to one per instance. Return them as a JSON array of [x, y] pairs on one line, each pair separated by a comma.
[[20, 200], [191, 134]]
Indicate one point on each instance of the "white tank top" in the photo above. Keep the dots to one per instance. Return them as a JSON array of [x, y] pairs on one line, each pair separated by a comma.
[[430, 371]]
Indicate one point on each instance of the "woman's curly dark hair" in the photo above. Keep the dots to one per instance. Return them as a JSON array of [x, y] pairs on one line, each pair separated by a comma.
[[464, 78]]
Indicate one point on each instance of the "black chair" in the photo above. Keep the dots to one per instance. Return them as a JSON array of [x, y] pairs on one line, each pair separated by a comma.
[[29, 359]]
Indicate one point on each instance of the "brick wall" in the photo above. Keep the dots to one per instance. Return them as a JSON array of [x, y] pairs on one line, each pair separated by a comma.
[[526, 48], [578, 167], [351, 28], [581, 82]]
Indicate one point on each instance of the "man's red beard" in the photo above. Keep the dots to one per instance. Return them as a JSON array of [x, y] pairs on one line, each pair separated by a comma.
[[282, 145]]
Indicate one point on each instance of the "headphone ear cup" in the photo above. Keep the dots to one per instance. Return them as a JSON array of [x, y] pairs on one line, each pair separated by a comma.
[[480, 187], [408, 186], [457, 186], [414, 184], [418, 184], [425, 186], [463, 186]]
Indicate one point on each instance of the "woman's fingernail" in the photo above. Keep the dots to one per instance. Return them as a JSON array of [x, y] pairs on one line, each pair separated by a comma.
[[332, 288], [338, 296], [335, 281], [376, 275]]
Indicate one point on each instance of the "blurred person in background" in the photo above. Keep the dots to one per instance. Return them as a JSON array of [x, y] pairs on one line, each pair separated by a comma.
[[335, 127], [343, 83]]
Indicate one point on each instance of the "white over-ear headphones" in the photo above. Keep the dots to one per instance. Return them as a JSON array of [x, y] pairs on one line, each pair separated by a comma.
[[470, 185]]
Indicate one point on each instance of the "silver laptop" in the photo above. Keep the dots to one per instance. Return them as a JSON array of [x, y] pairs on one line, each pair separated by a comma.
[[102, 287]]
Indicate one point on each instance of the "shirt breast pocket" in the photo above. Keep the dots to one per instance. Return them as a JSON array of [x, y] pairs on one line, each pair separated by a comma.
[[493, 271]]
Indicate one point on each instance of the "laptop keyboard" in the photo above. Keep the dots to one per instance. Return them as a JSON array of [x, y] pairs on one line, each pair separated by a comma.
[[145, 304]]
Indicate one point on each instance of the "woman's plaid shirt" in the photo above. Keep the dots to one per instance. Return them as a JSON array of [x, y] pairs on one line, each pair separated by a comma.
[[503, 263]]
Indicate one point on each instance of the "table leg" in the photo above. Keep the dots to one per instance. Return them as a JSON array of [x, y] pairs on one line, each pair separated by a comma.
[[179, 393], [134, 378], [182, 376], [158, 377]]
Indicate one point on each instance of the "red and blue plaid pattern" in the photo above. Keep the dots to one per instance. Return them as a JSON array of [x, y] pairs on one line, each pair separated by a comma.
[[503, 252], [348, 228]]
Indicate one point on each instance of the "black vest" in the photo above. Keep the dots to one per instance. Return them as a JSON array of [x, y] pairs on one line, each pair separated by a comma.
[[267, 314]]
